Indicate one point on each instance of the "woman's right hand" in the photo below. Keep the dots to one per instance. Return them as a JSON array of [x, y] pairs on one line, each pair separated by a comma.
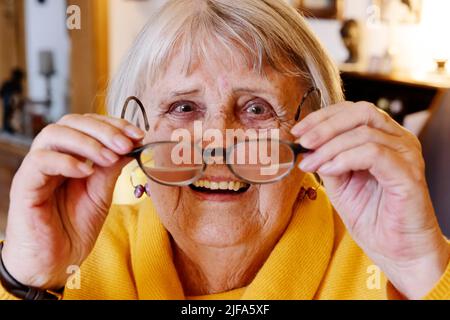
[[58, 203]]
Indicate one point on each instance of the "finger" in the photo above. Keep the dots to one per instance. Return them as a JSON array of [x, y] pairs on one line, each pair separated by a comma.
[[356, 115], [106, 178], [129, 129], [384, 164], [40, 167], [110, 136], [349, 140], [317, 117], [68, 140]]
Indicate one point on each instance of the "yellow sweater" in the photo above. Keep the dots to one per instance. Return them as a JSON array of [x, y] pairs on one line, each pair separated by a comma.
[[314, 259]]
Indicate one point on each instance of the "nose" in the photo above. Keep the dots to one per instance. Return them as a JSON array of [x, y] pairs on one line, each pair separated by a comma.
[[215, 155]]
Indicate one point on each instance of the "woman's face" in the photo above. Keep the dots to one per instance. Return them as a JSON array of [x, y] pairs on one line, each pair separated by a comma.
[[223, 96]]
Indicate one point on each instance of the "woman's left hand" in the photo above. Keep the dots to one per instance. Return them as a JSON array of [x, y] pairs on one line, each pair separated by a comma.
[[373, 171]]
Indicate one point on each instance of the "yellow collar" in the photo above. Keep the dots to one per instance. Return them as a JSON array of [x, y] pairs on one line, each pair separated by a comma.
[[294, 269]]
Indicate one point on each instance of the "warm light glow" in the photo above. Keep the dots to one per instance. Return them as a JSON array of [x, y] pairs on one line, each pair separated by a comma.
[[435, 26]]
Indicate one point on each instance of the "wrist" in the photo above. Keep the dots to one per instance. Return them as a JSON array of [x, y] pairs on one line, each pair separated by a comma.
[[415, 279], [13, 269], [17, 289]]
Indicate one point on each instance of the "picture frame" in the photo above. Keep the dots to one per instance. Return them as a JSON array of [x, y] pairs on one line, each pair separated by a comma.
[[321, 9], [398, 11]]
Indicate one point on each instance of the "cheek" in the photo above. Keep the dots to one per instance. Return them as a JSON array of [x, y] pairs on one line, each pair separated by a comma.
[[166, 130], [280, 197], [166, 201]]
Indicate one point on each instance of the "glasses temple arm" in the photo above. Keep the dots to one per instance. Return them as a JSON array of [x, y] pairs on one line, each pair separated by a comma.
[[305, 96], [141, 106]]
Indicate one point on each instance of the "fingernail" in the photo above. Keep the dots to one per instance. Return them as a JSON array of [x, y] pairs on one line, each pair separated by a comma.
[[85, 168], [307, 164], [122, 143], [308, 139], [326, 168], [297, 130], [109, 155], [134, 132]]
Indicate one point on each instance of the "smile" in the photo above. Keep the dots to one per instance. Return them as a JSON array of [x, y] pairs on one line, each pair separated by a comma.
[[220, 187]]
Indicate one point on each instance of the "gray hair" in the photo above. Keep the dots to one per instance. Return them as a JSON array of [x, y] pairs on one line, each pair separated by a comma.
[[259, 32]]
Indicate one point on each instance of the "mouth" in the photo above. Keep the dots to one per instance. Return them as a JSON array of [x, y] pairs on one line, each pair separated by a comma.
[[219, 190]]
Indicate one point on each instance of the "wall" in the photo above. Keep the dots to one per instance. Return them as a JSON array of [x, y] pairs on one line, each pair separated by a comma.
[[46, 30], [126, 20], [127, 17]]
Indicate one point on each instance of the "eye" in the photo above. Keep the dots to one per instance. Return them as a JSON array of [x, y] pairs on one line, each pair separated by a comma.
[[258, 109], [185, 110], [182, 107], [255, 109]]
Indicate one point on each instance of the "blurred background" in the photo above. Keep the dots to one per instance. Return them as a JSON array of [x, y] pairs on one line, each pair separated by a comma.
[[57, 56]]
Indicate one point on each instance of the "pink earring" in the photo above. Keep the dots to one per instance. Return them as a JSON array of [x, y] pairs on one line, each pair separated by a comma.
[[139, 190], [311, 193]]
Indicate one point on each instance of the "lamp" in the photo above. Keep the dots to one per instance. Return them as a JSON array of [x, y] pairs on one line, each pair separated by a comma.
[[435, 24], [47, 69]]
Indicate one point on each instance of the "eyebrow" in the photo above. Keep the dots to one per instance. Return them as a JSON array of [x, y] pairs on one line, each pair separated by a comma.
[[184, 92], [250, 90], [196, 91]]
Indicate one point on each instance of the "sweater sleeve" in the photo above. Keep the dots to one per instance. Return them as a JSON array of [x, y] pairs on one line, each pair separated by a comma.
[[5, 295], [441, 290], [107, 274]]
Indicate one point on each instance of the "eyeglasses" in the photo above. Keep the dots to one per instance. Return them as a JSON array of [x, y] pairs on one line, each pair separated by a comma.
[[253, 161], [257, 161]]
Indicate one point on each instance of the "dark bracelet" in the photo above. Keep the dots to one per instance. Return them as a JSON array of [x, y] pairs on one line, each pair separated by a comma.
[[21, 291]]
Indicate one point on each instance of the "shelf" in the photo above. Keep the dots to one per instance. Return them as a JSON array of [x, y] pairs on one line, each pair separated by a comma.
[[15, 144]]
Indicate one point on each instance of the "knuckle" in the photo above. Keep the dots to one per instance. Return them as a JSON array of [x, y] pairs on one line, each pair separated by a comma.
[[365, 133], [364, 106], [370, 110], [416, 142], [46, 133], [67, 118], [92, 144], [123, 122], [110, 131], [375, 150], [417, 173]]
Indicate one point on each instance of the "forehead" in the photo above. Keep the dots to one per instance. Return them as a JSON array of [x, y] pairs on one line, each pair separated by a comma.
[[222, 71]]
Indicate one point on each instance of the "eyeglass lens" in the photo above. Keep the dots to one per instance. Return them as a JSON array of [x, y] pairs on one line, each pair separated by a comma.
[[177, 164]]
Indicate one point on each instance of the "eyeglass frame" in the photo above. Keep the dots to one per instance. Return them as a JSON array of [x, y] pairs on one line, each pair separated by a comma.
[[296, 148]]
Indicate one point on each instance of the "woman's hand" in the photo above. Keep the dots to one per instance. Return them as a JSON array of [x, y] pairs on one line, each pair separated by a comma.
[[374, 174], [59, 202]]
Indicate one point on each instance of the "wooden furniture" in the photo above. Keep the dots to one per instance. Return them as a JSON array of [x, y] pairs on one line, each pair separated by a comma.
[[12, 152], [12, 35], [89, 63], [403, 94]]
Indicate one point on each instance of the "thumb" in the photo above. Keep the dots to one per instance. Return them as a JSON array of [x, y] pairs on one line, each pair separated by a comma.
[[100, 186], [334, 185]]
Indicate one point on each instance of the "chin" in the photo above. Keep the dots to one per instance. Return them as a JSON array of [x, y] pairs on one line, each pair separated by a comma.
[[217, 235]]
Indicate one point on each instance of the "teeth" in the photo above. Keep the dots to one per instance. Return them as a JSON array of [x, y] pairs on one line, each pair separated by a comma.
[[214, 186], [223, 185]]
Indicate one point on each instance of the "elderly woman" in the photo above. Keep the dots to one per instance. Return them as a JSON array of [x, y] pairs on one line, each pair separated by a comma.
[[216, 231]]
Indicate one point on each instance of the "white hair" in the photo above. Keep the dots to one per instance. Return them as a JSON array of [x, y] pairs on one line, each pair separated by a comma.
[[259, 32]]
